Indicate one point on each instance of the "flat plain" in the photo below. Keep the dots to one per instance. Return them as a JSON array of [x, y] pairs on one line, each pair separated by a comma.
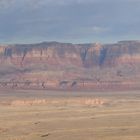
[[60, 115]]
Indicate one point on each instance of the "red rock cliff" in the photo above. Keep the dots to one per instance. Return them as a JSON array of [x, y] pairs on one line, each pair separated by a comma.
[[68, 66]]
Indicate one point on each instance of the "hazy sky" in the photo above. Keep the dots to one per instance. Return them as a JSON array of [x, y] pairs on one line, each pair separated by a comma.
[[77, 21]]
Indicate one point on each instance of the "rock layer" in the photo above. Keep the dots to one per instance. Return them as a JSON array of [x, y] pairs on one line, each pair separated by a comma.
[[53, 65]]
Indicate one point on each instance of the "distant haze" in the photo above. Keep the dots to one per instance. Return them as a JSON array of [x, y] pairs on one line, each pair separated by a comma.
[[76, 21]]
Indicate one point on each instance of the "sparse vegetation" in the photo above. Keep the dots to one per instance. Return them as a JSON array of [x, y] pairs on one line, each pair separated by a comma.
[[64, 116]]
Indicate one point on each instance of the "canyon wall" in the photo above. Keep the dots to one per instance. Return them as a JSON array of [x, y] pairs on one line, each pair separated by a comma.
[[53, 65]]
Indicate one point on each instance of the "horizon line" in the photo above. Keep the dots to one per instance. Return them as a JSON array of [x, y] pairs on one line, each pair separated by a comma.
[[63, 42]]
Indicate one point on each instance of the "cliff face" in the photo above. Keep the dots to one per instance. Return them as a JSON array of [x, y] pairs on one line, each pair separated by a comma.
[[68, 66]]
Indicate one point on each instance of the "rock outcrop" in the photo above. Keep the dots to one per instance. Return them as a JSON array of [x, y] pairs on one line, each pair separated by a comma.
[[58, 102], [53, 65]]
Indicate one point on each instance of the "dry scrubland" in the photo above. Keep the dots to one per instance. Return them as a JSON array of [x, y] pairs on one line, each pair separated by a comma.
[[50, 115]]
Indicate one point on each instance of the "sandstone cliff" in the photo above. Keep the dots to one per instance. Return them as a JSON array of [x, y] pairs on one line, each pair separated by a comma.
[[53, 65]]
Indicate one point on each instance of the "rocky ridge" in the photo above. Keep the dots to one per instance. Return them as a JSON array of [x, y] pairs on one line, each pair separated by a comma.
[[54, 65]]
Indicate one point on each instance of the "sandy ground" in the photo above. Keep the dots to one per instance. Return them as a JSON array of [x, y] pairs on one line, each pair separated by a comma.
[[51, 115]]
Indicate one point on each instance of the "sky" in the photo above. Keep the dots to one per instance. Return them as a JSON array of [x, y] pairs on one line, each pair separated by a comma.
[[73, 21]]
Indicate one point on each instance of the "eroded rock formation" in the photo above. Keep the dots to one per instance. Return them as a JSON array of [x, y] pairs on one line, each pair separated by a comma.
[[56, 65], [76, 101]]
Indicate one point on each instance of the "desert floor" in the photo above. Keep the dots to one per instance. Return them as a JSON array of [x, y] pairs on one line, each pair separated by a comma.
[[57, 115]]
